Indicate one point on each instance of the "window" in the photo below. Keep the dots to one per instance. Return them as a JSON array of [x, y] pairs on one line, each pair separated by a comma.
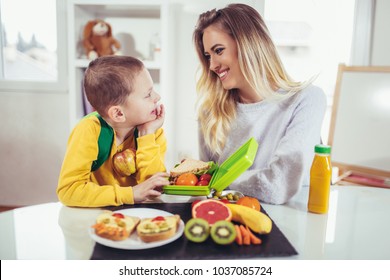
[[313, 37], [32, 56]]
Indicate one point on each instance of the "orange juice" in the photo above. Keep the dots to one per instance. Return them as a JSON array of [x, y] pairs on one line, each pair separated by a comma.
[[320, 179]]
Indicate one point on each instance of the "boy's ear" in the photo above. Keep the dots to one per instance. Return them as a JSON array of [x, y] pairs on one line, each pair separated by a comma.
[[116, 114]]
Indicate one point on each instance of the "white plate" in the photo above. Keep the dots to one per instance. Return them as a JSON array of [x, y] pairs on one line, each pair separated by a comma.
[[134, 242]]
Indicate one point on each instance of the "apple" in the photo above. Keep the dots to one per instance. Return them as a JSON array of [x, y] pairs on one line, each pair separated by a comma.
[[124, 162]]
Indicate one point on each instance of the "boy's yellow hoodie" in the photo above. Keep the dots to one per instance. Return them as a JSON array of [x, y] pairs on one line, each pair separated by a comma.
[[79, 186]]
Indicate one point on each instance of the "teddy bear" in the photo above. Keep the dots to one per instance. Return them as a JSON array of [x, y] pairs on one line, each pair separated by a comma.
[[98, 40]]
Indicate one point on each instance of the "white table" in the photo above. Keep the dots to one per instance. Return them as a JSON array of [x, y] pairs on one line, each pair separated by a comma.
[[356, 227]]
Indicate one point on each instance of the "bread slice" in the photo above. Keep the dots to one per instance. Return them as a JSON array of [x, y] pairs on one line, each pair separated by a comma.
[[189, 165], [114, 227], [162, 228]]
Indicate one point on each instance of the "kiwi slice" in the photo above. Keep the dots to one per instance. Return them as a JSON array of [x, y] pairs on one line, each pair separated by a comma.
[[223, 232], [197, 230]]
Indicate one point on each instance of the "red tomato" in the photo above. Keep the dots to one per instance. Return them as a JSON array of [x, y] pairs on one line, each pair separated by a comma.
[[187, 179], [118, 215], [158, 218], [202, 183], [205, 177]]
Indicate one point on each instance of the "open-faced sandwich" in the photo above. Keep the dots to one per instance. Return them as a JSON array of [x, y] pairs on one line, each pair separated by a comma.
[[190, 172], [115, 226], [158, 228]]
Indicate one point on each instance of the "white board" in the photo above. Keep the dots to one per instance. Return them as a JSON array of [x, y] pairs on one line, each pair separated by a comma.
[[360, 127]]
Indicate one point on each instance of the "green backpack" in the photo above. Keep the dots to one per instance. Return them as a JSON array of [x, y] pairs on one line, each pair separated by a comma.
[[106, 138]]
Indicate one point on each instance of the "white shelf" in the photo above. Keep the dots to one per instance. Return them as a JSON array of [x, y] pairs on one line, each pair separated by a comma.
[[84, 62], [133, 23], [113, 9]]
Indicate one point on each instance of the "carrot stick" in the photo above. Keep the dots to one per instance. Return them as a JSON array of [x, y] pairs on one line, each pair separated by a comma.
[[245, 236], [238, 235], [254, 239]]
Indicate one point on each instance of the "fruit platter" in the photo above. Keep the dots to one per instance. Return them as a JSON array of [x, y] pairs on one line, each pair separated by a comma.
[[220, 224], [226, 222], [211, 229], [219, 220]]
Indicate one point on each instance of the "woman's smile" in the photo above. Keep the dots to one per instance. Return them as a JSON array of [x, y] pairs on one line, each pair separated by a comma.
[[222, 74]]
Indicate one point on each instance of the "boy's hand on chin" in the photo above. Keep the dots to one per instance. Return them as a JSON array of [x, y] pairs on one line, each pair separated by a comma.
[[152, 126]]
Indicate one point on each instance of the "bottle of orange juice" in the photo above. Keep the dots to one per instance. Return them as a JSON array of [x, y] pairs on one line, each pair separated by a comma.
[[320, 179]]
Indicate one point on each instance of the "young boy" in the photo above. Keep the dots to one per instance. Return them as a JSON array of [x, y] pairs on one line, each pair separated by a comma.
[[121, 90]]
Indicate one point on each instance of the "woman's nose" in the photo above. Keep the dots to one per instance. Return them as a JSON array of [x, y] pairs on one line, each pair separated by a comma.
[[214, 65]]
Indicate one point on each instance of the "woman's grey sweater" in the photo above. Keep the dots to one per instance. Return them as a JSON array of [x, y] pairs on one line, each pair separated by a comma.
[[286, 132]]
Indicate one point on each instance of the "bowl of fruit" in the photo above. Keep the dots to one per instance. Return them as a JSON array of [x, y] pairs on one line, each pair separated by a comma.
[[230, 195]]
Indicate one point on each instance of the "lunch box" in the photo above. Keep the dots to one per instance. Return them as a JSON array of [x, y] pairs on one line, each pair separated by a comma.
[[224, 175]]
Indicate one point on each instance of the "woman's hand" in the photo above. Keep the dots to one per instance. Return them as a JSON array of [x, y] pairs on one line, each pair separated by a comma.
[[152, 126], [147, 189]]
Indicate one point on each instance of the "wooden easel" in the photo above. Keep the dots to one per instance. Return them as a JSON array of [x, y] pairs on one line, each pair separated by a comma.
[[352, 131]]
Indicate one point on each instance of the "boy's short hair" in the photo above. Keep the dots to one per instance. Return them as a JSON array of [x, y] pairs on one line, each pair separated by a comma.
[[108, 81]]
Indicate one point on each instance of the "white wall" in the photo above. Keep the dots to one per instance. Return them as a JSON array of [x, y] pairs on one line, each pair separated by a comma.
[[185, 94], [34, 131], [186, 66], [381, 36]]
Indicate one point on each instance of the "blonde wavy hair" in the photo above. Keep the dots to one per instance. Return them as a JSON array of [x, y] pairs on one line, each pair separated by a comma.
[[258, 60]]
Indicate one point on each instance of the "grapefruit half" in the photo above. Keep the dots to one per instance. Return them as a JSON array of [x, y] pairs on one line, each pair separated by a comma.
[[212, 211]]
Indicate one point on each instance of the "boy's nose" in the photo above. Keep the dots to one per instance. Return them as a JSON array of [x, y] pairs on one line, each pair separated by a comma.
[[157, 97]]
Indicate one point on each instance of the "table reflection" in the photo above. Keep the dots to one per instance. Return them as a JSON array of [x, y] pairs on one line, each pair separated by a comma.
[[75, 224], [356, 227]]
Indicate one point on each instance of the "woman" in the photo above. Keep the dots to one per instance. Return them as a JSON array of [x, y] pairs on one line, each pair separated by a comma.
[[244, 91]]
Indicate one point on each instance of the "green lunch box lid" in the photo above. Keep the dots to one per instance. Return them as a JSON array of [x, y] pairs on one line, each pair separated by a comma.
[[234, 166], [225, 174]]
